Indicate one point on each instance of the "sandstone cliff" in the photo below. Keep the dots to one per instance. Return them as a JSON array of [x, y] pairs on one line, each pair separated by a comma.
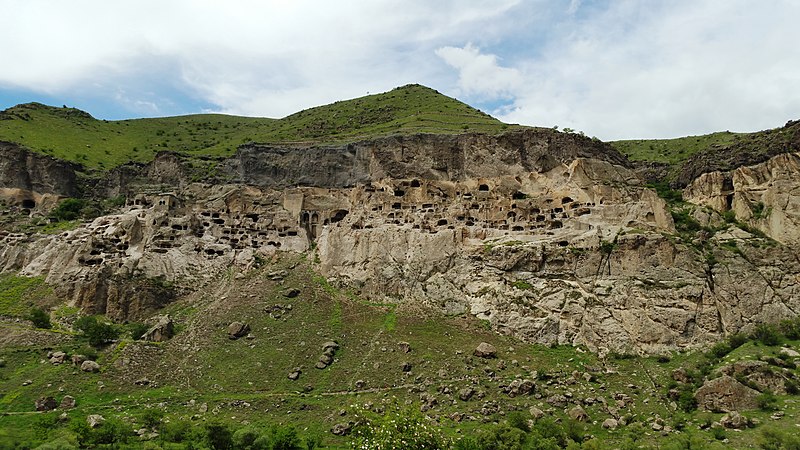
[[545, 235]]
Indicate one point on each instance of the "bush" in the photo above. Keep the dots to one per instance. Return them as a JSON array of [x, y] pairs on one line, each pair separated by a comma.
[[219, 436], [39, 318], [174, 431], [68, 209], [95, 331], [790, 328], [767, 401], [767, 334], [776, 439], [137, 329], [396, 429], [737, 340], [152, 418], [720, 349]]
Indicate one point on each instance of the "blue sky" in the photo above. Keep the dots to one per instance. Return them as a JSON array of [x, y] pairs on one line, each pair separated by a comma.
[[613, 69]]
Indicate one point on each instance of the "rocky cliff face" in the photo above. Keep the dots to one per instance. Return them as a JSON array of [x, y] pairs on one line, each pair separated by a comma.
[[547, 236], [27, 177]]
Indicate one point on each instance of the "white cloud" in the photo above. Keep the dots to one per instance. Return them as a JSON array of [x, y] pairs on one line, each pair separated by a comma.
[[619, 69], [480, 74]]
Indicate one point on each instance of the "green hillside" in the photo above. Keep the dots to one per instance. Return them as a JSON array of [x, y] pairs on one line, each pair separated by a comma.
[[674, 151], [74, 135]]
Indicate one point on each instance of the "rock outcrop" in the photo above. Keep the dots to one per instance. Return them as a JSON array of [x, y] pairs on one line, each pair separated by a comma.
[[547, 236]]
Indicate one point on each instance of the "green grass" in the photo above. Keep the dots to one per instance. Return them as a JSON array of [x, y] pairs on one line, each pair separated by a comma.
[[74, 135], [673, 151], [18, 294]]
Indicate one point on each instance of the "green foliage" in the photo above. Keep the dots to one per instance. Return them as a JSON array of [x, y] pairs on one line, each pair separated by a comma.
[[522, 285], [729, 216], [105, 144], [68, 209], [684, 222], [174, 431], [774, 438], [398, 428], [137, 329], [151, 418], [110, 432], [17, 293], [790, 328], [767, 401], [666, 192], [607, 247], [219, 437], [96, 332], [720, 349], [737, 340], [39, 318], [767, 334]]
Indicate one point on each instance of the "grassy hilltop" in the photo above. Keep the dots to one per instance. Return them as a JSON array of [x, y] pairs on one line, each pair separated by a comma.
[[74, 135]]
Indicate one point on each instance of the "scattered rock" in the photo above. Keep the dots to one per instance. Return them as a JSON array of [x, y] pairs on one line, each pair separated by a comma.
[[466, 393], [790, 352], [520, 387], [734, 420], [341, 429], [536, 413], [295, 374], [361, 384], [725, 394], [95, 420], [142, 382], [45, 404], [58, 357], [237, 330], [330, 344], [405, 347], [610, 424], [77, 360], [579, 414], [68, 402], [557, 400], [27, 382], [291, 293], [325, 359], [90, 366], [320, 365], [485, 350], [161, 331], [681, 375], [406, 366], [277, 275]]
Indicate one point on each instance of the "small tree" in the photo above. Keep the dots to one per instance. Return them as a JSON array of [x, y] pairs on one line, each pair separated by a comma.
[[68, 209], [39, 318], [95, 331]]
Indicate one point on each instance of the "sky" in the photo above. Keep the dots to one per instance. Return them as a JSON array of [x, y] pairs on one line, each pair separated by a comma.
[[620, 69]]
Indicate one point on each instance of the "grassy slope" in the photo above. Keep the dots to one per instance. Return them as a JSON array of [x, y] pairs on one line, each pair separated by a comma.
[[202, 366], [75, 136], [673, 151]]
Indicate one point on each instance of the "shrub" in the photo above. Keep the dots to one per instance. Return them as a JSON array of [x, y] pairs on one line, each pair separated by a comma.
[[790, 328], [39, 318], [720, 349], [68, 209], [174, 431], [152, 418], [95, 331], [137, 329], [219, 436], [405, 429], [776, 439], [767, 334], [791, 387], [767, 401], [737, 340]]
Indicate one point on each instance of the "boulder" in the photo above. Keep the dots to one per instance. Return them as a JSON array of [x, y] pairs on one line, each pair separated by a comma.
[[77, 360], [295, 374], [161, 331], [485, 350], [790, 352], [325, 359], [237, 330], [610, 424], [405, 347], [734, 420], [90, 366], [681, 375], [330, 345], [466, 393], [536, 413], [68, 402], [58, 357], [341, 429], [95, 420], [520, 387], [557, 400], [320, 365], [406, 367], [45, 404], [579, 414], [291, 293], [725, 394]]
